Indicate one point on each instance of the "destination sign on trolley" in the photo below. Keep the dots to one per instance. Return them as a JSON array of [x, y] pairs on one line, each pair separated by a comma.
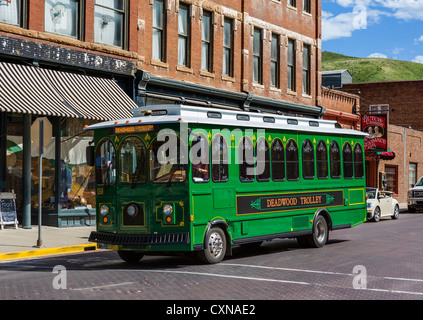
[[134, 129]]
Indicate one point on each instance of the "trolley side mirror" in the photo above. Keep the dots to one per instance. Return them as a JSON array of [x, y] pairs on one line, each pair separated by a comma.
[[90, 155]]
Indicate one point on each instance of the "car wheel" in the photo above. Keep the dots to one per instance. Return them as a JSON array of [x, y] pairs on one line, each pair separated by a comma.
[[396, 212], [411, 209], [318, 238], [376, 214]]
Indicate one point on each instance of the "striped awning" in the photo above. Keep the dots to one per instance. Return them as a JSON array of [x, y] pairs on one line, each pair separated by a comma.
[[28, 89]]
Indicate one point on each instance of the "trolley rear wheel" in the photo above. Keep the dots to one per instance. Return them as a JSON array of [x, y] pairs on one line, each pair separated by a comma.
[[319, 236]]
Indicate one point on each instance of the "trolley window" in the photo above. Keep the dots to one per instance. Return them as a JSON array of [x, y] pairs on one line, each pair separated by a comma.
[[347, 161], [246, 160], [358, 161], [322, 160], [200, 159], [278, 161], [308, 159], [335, 160], [167, 160], [263, 160], [105, 163], [292, 167], [132, 161], [220, 170]]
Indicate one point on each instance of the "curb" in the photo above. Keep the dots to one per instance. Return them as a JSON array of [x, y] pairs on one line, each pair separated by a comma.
[[47, 251]]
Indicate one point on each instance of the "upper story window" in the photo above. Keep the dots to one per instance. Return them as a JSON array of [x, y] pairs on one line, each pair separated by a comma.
[[292, 3], [307, 6], [62, 17], [206, 41], [257, 56], [291, 65], [183, 35], [109, 21], [274, 61], [159, 30], [306, 69], [12, 12], [227, 66]]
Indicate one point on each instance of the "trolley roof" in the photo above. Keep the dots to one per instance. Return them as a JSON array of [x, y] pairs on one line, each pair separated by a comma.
[[161, 114]]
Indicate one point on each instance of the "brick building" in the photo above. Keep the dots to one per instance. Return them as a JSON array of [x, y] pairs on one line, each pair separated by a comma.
[[401, 100], [244, 54]]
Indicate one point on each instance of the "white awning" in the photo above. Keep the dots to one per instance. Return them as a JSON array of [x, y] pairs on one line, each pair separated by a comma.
[[28, 89]]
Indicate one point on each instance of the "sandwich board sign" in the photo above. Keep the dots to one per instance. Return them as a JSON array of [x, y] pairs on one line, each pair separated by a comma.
[[8, 209]]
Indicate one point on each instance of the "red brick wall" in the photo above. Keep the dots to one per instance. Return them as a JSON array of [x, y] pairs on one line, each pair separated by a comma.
[[405, 100], [272, 16]]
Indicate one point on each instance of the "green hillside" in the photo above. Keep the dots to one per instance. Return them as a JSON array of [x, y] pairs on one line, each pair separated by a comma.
[[372, 69]]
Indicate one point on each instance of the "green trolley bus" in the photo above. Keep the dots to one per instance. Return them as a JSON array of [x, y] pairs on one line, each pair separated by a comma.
[[178, 178]]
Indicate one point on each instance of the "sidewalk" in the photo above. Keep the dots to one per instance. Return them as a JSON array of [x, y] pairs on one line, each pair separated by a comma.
[[21, 243]]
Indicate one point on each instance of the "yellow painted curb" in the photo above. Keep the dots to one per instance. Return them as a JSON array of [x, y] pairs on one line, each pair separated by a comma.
[[47, 251]]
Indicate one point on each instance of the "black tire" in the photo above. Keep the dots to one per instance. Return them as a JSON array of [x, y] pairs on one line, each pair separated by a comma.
[[214, 246], [130, 256], [396, 212], [376, 215], [319, 236], [411, 209]]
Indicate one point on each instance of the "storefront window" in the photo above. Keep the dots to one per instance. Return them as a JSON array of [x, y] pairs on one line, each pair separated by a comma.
[[76, 178]]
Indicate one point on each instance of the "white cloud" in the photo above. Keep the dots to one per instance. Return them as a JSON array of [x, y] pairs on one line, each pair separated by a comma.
[[418, 59], [377, 55]]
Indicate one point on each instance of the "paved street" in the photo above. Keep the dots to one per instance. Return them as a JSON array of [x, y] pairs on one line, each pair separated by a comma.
[[372, 261]]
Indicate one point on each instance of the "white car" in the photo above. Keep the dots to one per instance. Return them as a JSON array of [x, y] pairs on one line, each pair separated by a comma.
[[381, 204]]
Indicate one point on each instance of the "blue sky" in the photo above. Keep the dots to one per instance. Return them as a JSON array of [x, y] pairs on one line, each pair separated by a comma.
[[376, 28]]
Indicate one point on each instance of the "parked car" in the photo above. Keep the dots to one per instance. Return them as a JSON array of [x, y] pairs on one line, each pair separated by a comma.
[[415, 196], [381, 204]]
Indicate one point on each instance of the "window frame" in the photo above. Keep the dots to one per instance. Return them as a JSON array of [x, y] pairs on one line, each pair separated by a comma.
[[244, 165], [346, 163], [307, 6], [333, 161], [124, 27], [266, 175], [229, 72], [186, 37], [118, 155], [394, 178], [308, 162], [275, 61], [208, 43], [296, 161], [161, 30], [79, 21], [274, 161], [358, 165], [306, 69], [258, 56], [291, 65], [223, 150], [207, 149], [322, 161]]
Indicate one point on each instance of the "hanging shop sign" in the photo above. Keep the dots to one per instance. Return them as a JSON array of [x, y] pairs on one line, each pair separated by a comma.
[[377, 128]]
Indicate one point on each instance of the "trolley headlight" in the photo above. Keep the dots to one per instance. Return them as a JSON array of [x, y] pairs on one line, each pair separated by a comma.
[[132, 210], [168, 209], [104, 210]]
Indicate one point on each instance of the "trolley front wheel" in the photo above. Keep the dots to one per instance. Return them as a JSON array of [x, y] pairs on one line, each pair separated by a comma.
[[214, 246], [130, 256]]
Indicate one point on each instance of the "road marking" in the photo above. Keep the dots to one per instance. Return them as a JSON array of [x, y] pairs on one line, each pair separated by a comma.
[[104, 286]]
